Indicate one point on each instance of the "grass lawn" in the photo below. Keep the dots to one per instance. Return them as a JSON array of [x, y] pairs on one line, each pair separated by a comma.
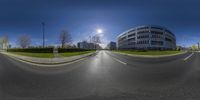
[[38, 55], [68, 54], [50, 55], [151, 53]]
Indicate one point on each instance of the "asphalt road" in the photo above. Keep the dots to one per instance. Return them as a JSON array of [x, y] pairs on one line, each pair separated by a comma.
[[105, 76]]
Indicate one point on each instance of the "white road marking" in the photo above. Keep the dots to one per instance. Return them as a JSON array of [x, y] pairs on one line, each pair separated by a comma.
[[188, 56], [119, 61]]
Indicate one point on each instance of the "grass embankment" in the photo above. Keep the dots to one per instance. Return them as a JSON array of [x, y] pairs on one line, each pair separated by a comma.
[[68, 54], [38, 55], [149, 53], [51, 55]]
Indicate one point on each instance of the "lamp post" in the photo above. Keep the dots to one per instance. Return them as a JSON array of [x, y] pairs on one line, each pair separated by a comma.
[[43, 31]]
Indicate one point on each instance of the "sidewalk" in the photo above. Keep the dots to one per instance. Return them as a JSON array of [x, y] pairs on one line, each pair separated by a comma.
[[47, 61]]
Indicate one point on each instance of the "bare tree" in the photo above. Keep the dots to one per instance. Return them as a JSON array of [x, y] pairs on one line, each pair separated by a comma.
[[24, 41], [5, 40], [65, 38], [96, 40]]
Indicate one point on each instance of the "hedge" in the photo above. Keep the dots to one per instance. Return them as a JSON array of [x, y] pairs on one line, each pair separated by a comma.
[[31, 50], [45, 50], [63, 50]]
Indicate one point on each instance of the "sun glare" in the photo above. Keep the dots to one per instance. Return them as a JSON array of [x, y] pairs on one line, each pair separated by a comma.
[[99, 31]]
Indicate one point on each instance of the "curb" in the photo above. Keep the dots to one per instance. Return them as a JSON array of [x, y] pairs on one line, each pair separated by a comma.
[[51, 63]]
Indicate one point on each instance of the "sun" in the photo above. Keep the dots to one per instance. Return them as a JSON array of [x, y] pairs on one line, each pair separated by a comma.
[[99, 31]]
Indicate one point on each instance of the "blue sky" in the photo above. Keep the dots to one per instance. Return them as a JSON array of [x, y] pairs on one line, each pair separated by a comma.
[[82, 17]]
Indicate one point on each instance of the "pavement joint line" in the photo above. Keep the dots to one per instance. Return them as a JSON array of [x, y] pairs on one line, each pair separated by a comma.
[[188, 56], [119, 61]]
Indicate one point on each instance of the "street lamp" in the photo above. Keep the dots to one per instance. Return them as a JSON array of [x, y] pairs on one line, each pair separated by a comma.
[[43, 31]]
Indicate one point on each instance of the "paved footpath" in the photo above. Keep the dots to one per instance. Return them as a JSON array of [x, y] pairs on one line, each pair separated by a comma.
[[47, 61]]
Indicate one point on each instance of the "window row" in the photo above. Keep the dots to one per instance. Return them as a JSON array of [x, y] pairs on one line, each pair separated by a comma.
[[121, 39], [131, 43], [156, 42], [156, 36], [131, 39], [168, 39], [167, 35], [143, 42], [141, 32], [131, 35], [157, 28], [131, 31], [169, 32], [143, 36], [143, 28], [156, 32]]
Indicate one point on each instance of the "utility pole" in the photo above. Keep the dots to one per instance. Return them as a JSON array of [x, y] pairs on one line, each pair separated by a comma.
[[90, 40], [43, 31]]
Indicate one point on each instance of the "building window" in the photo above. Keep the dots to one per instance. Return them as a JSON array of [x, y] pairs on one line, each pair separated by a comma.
[[156, 42], [157, 28], [131, 35], [169, 32], [131, 31], [122, 39], [156, 36], [141, 32], [131, 43], [156, 32], [143, 42], [143, 36], [131, 39], [143, 28], [167, 39]]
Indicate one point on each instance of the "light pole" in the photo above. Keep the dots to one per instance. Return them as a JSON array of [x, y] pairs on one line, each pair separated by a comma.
[[43, 31]]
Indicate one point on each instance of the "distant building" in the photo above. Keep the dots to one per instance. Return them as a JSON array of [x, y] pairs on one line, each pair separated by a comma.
[[87, 45], [4, 45], [112, 46], [147, 37], [83, 45]]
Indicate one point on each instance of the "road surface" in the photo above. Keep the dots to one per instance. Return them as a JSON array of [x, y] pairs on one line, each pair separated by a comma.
[[104, 76]]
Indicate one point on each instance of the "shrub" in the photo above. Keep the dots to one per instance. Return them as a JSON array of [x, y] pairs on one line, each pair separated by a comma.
[[32, 50], [62, 50]]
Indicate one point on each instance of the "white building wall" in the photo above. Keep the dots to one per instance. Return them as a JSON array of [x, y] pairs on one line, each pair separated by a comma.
[[122, 39]]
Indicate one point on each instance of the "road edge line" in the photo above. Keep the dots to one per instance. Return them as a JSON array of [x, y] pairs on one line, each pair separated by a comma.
[[119, 60], [188, 56]]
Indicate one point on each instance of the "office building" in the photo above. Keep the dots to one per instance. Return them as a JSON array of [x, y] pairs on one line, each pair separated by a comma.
[[112, 46], [147, 37]]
